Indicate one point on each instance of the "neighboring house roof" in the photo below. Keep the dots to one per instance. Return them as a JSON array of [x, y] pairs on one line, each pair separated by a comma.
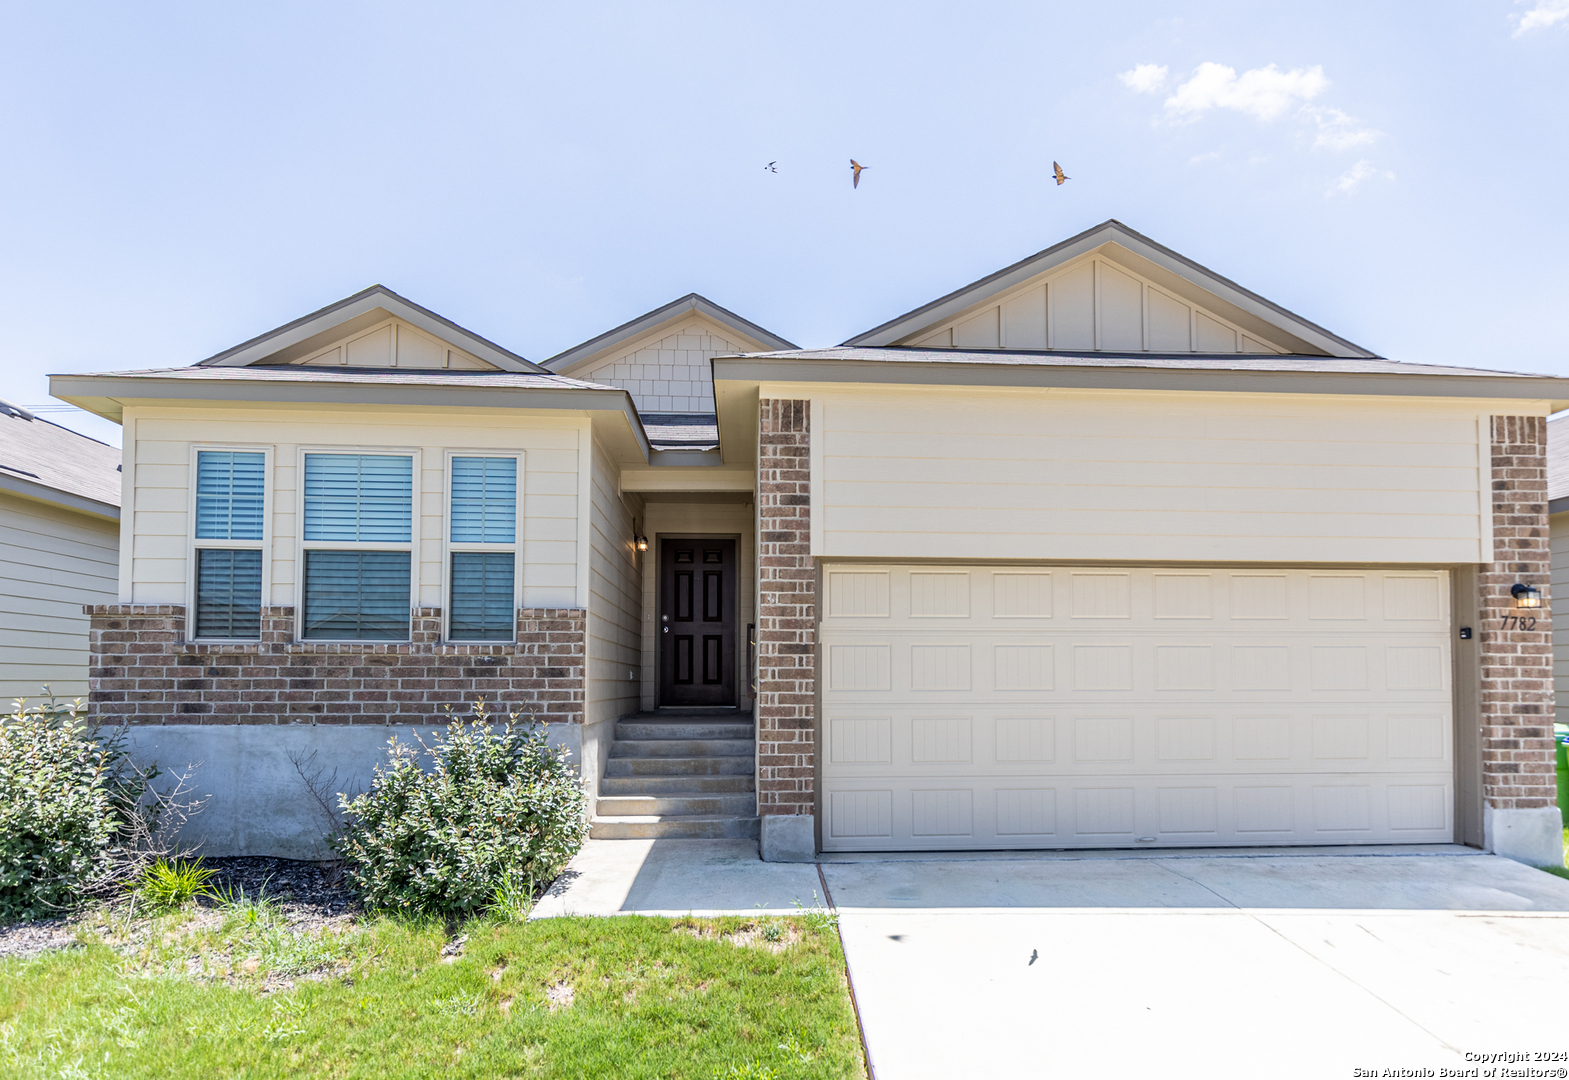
[[297, 340], [682, 431], [1558, 465], [44, 461], [1146, 257], [595, 347]]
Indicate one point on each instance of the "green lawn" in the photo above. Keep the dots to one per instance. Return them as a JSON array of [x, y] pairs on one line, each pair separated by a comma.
[[208, 994]]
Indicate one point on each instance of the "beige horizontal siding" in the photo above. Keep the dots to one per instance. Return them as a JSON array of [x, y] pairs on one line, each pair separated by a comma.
[[52, 561], [162, 455], [614, 600], [1559, 600], [1139, 476]]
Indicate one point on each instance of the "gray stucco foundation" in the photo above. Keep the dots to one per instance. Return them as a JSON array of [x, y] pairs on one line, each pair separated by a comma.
[[257, 803]]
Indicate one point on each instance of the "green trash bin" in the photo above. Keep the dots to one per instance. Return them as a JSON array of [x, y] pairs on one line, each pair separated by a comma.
[[1561, 745]]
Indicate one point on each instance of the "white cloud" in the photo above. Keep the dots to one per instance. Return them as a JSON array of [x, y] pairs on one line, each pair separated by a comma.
[[1264, 93], [1544, 14], [1146, 78], [1338, 131], [1353, 177]]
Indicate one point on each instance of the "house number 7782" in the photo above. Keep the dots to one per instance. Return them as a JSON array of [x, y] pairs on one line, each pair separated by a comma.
[[1517, 622]]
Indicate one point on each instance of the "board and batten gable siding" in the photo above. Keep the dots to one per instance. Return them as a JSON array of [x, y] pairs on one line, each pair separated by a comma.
[[159, 443], [52, 561], [1127, 475], [614, 599], [1093, 303]]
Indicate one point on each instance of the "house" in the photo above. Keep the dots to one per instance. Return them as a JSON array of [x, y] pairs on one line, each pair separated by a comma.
[[59, 551], [1102, 550]]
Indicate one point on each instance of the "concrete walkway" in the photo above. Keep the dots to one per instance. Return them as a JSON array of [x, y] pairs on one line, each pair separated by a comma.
[[1279, 963], [678, 877]]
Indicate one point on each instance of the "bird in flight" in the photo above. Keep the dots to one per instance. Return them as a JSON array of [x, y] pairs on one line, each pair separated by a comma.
[[770, 166], [1034, 956], [856, 169], [1056, 170]]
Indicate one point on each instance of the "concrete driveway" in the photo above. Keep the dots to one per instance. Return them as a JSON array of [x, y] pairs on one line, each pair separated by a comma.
[[1278, 964]]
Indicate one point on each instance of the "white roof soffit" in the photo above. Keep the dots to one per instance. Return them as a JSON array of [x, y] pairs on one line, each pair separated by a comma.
[[592, 349], [302, 337], [1144, 256]]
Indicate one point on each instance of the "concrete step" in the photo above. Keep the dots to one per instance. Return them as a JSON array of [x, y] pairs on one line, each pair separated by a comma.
[[672, 766], [676, 785], [674, 827], [691, 728], [685, 803], [682, 748]]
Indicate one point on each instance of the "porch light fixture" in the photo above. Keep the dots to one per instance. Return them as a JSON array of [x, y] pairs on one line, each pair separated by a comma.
[[1526, 595], [641, 542]]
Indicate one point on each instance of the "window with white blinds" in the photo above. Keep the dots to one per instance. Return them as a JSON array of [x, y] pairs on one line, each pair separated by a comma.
[[227, 553], [358, 550], [482, 531]]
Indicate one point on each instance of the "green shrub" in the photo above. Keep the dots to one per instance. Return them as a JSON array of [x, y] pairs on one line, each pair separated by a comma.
[[67, 801], [496, 807]]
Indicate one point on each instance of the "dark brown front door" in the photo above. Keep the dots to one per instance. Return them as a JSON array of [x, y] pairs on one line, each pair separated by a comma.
[[697, 622]]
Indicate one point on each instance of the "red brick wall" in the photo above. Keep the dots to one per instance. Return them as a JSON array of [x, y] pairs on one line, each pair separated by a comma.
[[143, 671], [786, 612], [1517, 665]]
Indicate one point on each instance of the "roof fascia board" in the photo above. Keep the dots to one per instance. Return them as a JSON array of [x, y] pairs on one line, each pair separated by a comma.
[[591, 349], [934, 373], [955, 303], [322, 327], [92, 392], [28, 489]]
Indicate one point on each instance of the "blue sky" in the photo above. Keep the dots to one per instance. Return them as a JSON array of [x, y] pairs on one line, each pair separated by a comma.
[[175, 179]]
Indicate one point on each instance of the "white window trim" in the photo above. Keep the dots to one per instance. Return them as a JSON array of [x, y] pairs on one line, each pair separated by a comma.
[[193, 545], [301, 545], [448, 547]]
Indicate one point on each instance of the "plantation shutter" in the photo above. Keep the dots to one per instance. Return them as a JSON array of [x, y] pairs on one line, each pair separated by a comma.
[[229, 494], [228, 593], [482, 596], [359, 497], [357, 595], [484, 500]]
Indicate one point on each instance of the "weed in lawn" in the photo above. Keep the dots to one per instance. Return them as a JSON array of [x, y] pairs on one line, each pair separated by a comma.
[[513, 899], [791, 1048], [463, 1003], [168, 886], [817, 917], [772, 931]]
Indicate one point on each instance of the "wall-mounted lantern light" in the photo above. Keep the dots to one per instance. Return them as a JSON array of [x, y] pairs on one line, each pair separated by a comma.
[[641, 541], [1526, 596]]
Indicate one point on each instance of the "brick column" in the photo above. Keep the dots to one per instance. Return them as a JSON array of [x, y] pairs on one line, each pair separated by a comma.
[[1516, 681], [786, 633]]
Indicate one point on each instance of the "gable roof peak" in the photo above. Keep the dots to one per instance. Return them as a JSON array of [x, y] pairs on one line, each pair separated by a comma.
[[1152, 259], [298, 339], [679, 308]]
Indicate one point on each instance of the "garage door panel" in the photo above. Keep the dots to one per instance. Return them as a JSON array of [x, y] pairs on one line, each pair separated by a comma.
[[871, 743], [1060, 707], [931, 814]]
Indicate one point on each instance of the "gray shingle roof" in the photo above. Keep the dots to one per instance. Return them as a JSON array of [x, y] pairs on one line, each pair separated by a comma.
[[51, 456], [1175, 361], [682, 431], [389, 377]]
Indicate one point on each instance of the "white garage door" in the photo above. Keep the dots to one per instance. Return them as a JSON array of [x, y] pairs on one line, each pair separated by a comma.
[[1029, 707]]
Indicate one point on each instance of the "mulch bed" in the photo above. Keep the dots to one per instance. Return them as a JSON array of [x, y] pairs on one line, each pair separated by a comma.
[[311, 894]]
